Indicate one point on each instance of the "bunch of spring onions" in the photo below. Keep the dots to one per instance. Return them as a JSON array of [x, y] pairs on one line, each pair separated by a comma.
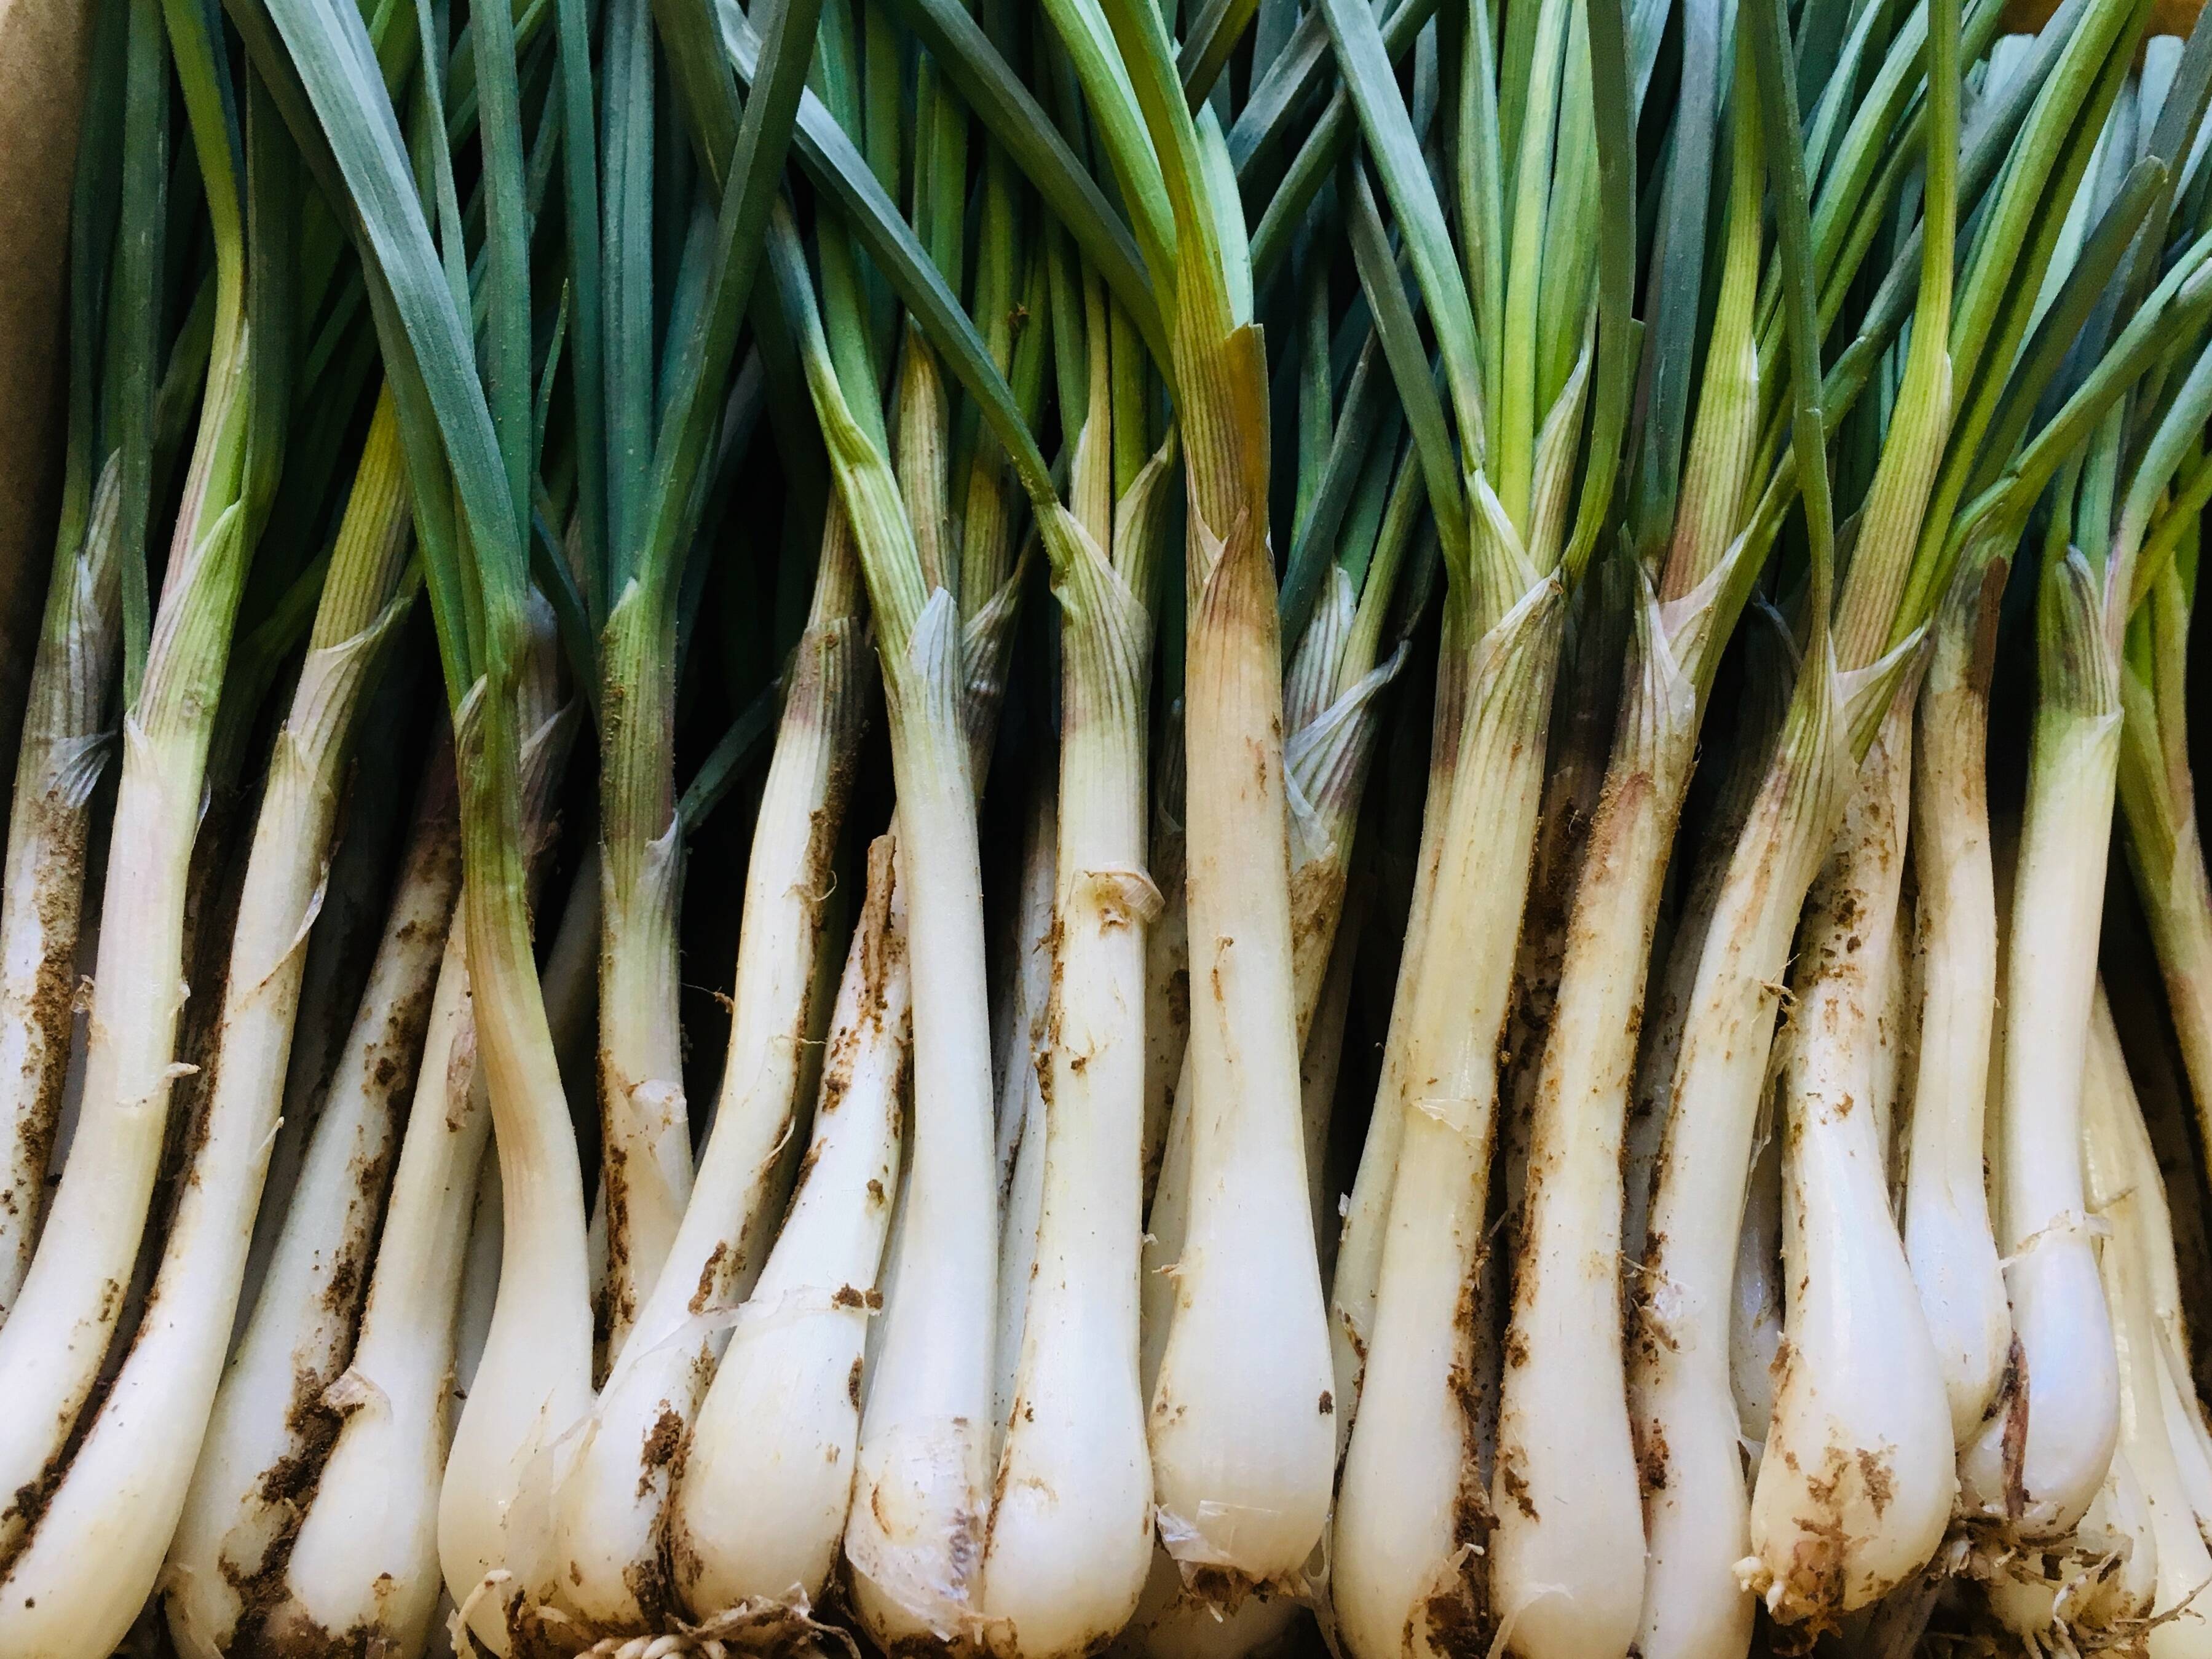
[[1256, 826]]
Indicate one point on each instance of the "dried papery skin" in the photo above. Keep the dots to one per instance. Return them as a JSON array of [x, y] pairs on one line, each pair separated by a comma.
[[1854, 1487], [758, 1510], [1755, 1320], [1327, 758], [1022, 1101], [271, 1425], [1167, 957], [2092, 1592], [1322, 1061], [1176, 1622]]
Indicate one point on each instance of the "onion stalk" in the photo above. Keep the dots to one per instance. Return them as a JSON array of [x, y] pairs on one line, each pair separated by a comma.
[[2057, 1305], [1332, 711], [1070, 1535], [470, 474], [630, 520], [1241, 1450], [927, 1461], [1698, 1523], [1948, 1238], [782, 1417], [65, 742], [58, 1332], [921, 1501], [992, 1311], [1410, 1504], [363, 1556], [1768, 670], [1332, 691], [266, 1416], [654, 1389], [2124, 1188], [176, 1361], [2157, 795], [1854, 1483], [1886, 1428], [2086, 594], [381, 823], [1564, 1493], [507, 1510]]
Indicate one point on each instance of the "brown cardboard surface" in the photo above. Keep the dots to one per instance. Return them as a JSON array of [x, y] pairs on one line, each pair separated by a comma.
[[2166, 16], [43, 45]]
